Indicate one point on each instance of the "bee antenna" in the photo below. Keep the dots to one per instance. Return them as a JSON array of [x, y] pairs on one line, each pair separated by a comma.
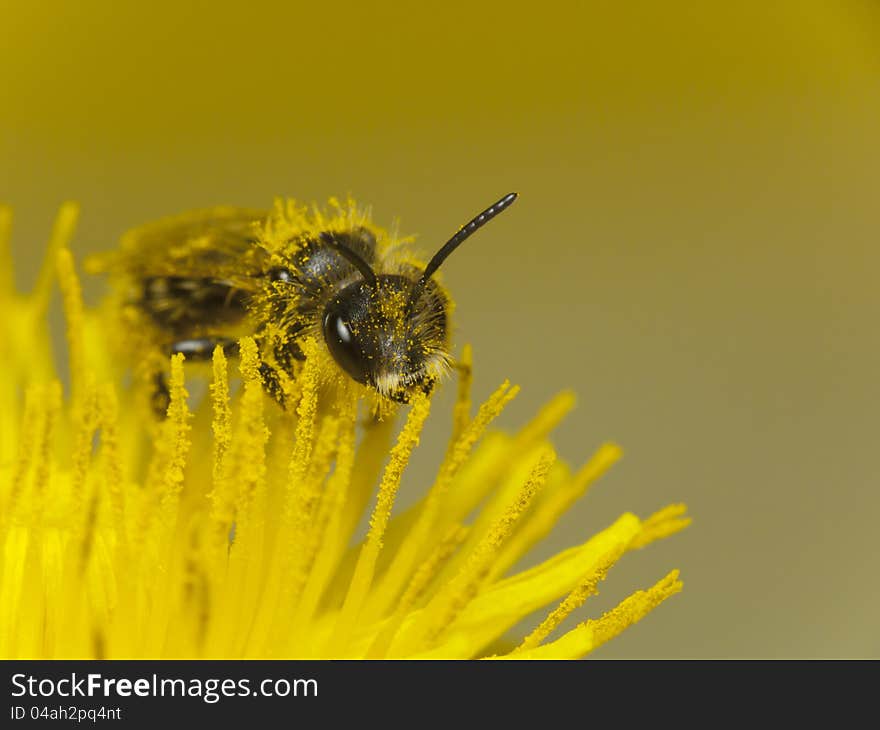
[[463, 234], [353, 257]]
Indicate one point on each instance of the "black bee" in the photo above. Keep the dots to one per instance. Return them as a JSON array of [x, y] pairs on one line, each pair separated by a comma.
[[205, 278]]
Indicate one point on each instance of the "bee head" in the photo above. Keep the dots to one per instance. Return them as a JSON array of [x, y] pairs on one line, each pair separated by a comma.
[[382, 337], [390, 331]]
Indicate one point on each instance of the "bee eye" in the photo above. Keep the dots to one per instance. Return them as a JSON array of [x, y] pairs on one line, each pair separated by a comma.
[[344, 347]]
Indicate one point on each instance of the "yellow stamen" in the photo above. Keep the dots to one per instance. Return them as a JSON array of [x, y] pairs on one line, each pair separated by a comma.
[[71, 295], [43, 450], [177, 428], [284, 555], [573, 600], [15, 551], [667, 521], [452, 598], [416, 543], [221, 427], [62, 233], [591, 634], [308, 505], [499, 606], [34, 413], [461, 413], [252, 434], [547, 419], [306, 411], [369, 460], [246, 477], [327, 524], [363, 572], [108, 414], [85, 420], [423, 576], [633, 608], [557, 503]]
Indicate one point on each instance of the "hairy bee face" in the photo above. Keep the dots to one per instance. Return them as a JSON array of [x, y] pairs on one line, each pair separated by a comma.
[[387, 334]]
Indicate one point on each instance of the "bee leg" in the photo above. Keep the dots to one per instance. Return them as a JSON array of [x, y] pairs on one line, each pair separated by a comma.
[[202, 348], [160, 398], [272, 383], [194, 350], [284, 356]]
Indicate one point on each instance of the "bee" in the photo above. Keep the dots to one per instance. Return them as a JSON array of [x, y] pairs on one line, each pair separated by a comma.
[[204, 279]]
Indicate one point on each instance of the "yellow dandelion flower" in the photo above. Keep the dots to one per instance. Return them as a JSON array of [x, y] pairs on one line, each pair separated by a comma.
[[229, 530]]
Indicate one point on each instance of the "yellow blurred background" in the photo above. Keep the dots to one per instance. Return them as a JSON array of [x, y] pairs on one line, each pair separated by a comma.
[[694, 252]]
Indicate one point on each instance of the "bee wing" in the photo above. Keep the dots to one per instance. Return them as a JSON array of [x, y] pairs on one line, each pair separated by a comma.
[[219, 243], [190, 273]]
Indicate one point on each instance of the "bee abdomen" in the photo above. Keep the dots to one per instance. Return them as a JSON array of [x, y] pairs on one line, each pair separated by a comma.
[[180, 304]]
